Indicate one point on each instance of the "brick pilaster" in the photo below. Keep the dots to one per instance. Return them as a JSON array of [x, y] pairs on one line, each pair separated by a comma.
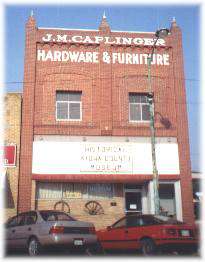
[[182, 125], [105, 81], [24, 199]]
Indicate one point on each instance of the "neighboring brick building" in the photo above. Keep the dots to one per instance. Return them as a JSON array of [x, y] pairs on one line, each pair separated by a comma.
[[12, 121], [197, 194], [85, 123]]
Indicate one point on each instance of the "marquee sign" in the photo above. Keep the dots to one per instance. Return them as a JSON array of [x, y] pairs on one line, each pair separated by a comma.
[[103, 157], [10, 155]]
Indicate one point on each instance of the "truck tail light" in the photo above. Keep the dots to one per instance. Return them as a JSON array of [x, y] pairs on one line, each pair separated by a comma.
[[56, 230], [92, 230]]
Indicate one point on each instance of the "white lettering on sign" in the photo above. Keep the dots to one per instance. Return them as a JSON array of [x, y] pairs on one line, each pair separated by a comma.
[[106, 158], [62, 38], [93, 57], [77, 39], [117, 40], [65, 56], [47, 38]]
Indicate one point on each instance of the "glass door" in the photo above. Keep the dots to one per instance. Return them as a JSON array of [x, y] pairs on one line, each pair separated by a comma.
[[133, 202]]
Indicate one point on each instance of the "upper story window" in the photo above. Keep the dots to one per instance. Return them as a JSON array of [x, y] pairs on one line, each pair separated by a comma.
[[138, 107], [68, 105]]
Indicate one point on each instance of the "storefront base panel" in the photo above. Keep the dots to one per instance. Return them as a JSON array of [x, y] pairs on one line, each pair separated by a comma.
[[112, 210]]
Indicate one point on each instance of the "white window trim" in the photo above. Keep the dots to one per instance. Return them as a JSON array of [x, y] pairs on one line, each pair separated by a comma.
[[138, 121], [177, 191], [69, 119]]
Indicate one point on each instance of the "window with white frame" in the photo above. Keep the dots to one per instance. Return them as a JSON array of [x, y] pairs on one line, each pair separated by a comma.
[[138, 107], [68, 105]]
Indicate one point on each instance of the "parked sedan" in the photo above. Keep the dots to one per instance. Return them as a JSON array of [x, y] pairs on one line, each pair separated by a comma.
[[36, 230], [147, 232]]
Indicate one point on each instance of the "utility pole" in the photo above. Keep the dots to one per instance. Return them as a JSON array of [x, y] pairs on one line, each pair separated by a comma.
[[159, 34]]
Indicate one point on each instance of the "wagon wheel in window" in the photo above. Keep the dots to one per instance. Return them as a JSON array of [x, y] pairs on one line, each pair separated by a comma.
[[62, 206], [94, 208]]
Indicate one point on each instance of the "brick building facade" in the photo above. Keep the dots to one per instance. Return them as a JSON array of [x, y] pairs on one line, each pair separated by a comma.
[[85, 123], [12, 118]]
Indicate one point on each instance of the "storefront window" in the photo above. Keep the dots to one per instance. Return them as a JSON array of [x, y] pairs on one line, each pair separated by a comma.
[[100, 191], [197, 196], [49, 190], [73, 190], [167, 200]]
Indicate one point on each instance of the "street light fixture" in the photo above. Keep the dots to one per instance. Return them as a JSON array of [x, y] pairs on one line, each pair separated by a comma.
[[161, 33], [164, 121]]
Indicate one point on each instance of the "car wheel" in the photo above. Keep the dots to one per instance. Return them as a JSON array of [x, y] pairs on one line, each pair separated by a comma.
[[148, 247], [34, 247]]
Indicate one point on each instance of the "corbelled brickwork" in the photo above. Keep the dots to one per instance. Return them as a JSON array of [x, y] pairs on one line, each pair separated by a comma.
[[105, 88]]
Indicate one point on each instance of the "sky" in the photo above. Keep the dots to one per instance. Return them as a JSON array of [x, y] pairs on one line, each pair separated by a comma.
[[131, 17]]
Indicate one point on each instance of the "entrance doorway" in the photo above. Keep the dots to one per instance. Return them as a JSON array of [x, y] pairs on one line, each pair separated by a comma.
[[133, 201]]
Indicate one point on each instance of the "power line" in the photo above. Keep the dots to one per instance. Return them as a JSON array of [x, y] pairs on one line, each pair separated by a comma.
[[99, 78]]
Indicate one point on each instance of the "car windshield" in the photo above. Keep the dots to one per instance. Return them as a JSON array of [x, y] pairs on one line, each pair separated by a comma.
[[168, 220], [161, 218], [56, 216]]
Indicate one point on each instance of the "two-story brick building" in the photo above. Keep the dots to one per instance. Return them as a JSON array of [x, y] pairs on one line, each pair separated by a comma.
[[12, 130], [86, 124]]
